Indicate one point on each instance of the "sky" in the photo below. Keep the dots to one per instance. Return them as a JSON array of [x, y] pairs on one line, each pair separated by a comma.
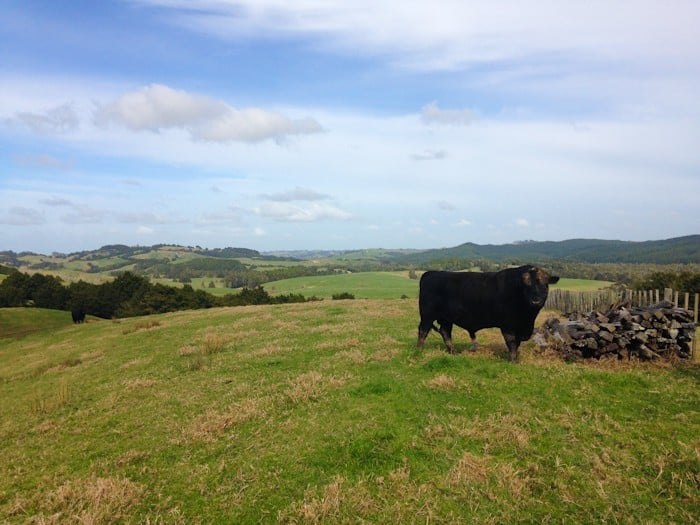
[[346, 124]]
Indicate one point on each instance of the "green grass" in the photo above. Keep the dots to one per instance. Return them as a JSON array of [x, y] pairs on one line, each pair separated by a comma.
[[18, 322], [363, 285], [581, 285], [326, 413], [383, 285]]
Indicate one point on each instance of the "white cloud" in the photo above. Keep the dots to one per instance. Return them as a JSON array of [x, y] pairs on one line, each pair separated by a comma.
[[84, 215], [522, 223], [285, 212], [430, 154], [297, 194], [42, 161], [463, 223], [455, 33], [57, 202], [141, 217], [157, 107], [21, 216], [446, 205], [145, 230], [61, 119], [227, 217], [432, 114]]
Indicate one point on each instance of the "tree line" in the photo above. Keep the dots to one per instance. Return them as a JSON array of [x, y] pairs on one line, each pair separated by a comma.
[[684, 281], [126, 296], [639, 276]]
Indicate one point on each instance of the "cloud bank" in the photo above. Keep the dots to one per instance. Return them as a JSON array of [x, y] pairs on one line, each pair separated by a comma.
[[432, 114], [157, 107]]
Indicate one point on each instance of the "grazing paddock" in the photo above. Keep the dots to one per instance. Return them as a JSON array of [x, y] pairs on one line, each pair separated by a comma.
[[325, 412]]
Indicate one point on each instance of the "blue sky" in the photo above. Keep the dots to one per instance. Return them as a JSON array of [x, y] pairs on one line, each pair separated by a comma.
[[334, 124]]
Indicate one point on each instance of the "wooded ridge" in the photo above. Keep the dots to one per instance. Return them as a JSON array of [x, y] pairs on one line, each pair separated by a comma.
[[679, 250]]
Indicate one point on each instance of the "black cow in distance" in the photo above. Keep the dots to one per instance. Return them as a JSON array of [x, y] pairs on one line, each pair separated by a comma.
[[509, 300], [78, 314]]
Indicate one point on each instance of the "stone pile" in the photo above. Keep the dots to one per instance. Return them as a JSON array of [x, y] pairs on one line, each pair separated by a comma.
[[658, 331]]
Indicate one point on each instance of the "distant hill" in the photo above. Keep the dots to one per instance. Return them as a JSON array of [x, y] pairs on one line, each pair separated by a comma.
[[679, 250]]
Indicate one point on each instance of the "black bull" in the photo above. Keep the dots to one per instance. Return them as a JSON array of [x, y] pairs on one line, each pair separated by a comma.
[[78, 315], [509, 300]]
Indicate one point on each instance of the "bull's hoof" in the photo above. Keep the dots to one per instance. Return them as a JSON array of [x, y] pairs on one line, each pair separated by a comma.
[[474, 347]]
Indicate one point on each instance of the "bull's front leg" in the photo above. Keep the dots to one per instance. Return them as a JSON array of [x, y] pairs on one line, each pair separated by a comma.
[[446, 333], [512, 342]]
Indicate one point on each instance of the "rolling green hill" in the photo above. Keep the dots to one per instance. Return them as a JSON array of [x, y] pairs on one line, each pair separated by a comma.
[[179, 262], [325, 413]]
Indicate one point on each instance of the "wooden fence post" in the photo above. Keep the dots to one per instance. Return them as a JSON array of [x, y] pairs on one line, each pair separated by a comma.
[[695, 320]]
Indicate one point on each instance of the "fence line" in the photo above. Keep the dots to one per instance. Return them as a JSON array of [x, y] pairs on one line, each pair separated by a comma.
[[571, 301]]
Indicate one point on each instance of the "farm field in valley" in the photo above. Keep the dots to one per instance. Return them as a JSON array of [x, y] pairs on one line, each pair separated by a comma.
[[325, 412], [383, 285]]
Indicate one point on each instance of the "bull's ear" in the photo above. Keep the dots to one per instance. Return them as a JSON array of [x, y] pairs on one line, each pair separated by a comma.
[[553, 279], [527, 279]]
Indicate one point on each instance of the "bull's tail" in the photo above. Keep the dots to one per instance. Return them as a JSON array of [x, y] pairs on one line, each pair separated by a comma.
[[435, 328]]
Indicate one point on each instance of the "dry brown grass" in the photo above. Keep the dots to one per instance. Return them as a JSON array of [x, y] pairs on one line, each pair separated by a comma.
[[475, 479], [91, 356], [317, 509], [148, 324], [46, 402], [444, 382], [213, 424], [365, 501], [354, 356], [497, 431], [469, 469], [139, 361], [187, 350], [213, 343], [136, 384], [89, 501], [385, 354], [311, 386], [130, 458]]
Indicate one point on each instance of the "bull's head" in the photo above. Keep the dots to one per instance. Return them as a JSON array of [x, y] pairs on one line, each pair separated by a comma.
[[537, 283]]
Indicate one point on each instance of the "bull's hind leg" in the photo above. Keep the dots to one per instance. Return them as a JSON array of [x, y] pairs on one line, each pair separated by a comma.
[[446, 333], [474, 345], [423, 331]]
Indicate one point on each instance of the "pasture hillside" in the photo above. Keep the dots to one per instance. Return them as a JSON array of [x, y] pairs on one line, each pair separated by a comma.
[[384, 285], [363, 285], [325, 412]]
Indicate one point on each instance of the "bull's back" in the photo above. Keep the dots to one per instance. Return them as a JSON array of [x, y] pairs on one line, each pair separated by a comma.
[[466, 298]]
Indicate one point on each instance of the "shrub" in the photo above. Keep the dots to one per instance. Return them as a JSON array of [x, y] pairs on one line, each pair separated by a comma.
[[343, 295]]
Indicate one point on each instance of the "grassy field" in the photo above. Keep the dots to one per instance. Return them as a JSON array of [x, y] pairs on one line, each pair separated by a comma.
[[18, 322], [364, 285], [326, 413], [383, 285]]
